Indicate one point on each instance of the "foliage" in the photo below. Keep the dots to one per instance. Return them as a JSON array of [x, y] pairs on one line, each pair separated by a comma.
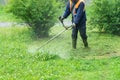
[[16, 63], [106, 15], [7, 17], [1, 8], [65, 1], [39, 14], [14, 40], [45, 56]]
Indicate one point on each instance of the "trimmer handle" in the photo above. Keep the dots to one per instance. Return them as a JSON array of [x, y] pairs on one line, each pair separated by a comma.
[[61, 20]]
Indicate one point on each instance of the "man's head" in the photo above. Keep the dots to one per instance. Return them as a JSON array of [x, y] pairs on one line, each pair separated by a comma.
[[74, 0]]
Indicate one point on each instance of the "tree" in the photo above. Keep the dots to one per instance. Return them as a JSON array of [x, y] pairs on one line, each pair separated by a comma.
[[38, 14], [106, 15]]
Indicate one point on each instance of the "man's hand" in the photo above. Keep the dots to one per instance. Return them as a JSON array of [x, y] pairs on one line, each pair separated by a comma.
[[61, 19], [74, 25]]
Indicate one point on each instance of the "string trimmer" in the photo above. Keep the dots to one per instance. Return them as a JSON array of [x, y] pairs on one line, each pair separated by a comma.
[[66, 28]]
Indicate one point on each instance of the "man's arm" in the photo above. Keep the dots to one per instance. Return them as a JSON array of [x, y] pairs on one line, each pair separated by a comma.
[[67, 11]]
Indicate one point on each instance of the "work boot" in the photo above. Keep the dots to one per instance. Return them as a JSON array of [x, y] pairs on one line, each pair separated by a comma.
[[74, 44], [85, 43]]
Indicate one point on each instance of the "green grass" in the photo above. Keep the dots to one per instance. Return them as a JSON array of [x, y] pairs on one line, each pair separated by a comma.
[[57, 60], [99, 43]]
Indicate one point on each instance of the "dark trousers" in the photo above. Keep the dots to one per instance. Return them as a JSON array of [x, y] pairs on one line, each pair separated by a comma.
[[82, 30]]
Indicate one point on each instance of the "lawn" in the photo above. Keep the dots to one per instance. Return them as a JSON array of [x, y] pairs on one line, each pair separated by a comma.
[[57, 60]]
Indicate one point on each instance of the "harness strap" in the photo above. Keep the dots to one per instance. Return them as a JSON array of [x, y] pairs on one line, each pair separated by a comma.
[[76, 5]]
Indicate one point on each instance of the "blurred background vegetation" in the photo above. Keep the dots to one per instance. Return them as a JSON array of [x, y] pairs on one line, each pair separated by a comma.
[[41, 15], [106, 16]]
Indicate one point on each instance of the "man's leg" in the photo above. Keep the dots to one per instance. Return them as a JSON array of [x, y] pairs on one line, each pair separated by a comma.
[[74, 37], [82, 30]]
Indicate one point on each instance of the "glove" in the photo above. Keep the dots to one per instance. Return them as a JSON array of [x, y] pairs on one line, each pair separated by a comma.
[[61, 18], [74, 25]]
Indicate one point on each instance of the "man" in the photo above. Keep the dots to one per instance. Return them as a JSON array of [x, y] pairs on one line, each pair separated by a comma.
[[77, 9]]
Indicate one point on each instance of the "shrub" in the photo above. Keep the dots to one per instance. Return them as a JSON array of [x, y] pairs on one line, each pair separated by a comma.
[[38, 14], [65, 1], [1, 8], [106, 15]]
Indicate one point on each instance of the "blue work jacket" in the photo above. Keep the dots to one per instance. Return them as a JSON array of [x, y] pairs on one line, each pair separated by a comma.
[[80, 17]]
